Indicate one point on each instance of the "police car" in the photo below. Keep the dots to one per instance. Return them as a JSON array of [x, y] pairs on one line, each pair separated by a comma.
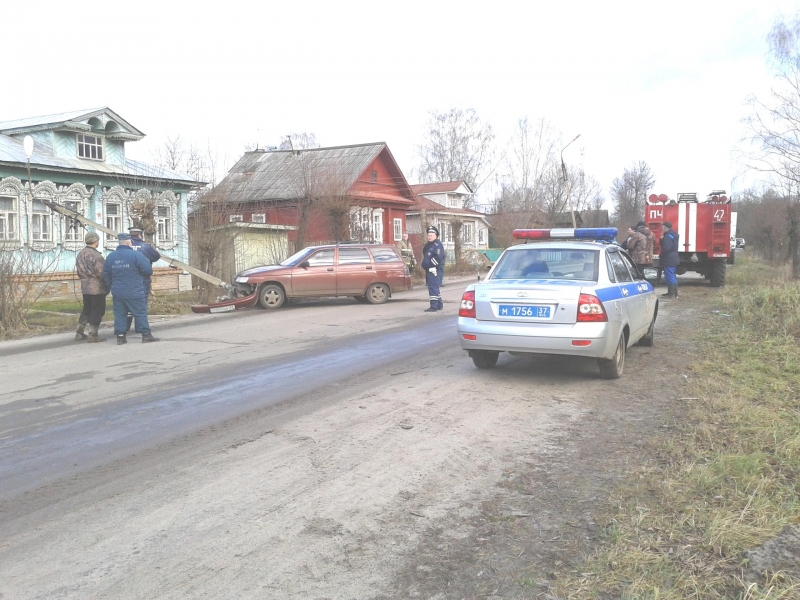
[[565, 291]]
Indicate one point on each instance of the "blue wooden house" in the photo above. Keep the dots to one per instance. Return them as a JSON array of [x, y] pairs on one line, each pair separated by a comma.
[[79, 161]]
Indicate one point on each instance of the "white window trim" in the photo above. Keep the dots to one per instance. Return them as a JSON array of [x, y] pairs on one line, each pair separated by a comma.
[[12, 223], [68, 223], [99, 145], [235, 218], [258, 218], [398, 229], [170, 231]]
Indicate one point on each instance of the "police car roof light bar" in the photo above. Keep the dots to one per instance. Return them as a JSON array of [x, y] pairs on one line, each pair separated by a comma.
[[581, 233]]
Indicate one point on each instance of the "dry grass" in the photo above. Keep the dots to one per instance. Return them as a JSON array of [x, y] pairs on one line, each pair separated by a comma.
[[725, 479]]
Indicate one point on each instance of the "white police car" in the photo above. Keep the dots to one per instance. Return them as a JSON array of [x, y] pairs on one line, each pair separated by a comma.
[[566, 291]]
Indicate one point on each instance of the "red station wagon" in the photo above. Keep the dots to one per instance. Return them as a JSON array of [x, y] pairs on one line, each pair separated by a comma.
[[367, 272]]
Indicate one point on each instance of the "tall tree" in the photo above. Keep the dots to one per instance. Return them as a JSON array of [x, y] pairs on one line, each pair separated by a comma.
[[629, 192], [774, 126], [530, 162], [458, 146]]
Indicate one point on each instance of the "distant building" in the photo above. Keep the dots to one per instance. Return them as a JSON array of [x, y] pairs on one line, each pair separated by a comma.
[[442, 203], [79, 161]]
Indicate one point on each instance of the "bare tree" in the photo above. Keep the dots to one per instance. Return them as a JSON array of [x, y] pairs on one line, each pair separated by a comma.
[[629, 193], [458, 146], [530, 163], [298, 141], [774, 127]]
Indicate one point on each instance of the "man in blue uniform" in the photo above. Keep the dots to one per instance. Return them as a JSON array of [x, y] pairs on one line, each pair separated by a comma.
[[150, 253], [124, 273], [432, 263], [669, 258]]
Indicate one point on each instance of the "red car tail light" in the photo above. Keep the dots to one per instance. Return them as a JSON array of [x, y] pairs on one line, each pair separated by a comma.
[[467, 305], [590, 309]]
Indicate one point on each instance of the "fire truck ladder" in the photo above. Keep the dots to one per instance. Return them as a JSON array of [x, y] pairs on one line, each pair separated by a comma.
[[172, 262]]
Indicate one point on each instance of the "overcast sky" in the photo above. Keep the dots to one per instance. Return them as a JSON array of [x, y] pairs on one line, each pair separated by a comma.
[[665, 83]]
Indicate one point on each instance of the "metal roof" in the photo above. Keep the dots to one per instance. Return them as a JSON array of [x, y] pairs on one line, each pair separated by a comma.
[[13, 153], [439, 187], [291, 174], [75, 117]]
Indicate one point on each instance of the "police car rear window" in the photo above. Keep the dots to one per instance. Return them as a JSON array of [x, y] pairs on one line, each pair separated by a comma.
[[548, 263], [384, 255]]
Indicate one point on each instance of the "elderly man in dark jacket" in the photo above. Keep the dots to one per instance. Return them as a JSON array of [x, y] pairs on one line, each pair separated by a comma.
[[124, 273], [89, 266], [669, 258]]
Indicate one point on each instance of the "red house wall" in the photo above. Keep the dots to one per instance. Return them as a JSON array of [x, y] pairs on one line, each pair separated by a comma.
[[388, 181]]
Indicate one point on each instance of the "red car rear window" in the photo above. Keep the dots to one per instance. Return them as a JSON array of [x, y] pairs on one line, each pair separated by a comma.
[[385, 254]]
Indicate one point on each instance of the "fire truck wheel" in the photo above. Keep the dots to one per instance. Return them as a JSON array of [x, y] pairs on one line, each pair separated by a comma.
[[717, 273], [612, 369], [271, 296]]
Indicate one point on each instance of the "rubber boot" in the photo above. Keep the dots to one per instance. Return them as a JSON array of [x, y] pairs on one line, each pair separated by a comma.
[[93, 337], [670, 292], [675, 291], [79, 335], [434, 307], [440, 306], [121, 339], [148, 337]]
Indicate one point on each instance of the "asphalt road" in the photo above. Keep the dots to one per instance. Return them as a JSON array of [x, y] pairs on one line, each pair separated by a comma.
[[310, 452]]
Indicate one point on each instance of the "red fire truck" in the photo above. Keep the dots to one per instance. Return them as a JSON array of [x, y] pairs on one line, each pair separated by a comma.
[[704, 229]]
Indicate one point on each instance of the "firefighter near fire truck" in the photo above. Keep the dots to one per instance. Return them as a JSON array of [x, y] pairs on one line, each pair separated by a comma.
[[703, 229]]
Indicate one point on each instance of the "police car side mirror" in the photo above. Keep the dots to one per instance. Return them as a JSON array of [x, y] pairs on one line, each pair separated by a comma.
[[650, 274]]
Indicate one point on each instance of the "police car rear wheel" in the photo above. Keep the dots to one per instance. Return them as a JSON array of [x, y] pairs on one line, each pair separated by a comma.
[[612, 369], [484, 359]]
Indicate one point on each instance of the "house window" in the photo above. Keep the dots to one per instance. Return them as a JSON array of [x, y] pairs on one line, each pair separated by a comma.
[[72, 231], [90, 146], [377, 227], [262, 218], [41, 223], [454, 201], [481, 236], [446, 231], [398, 230], [467, 234], [8, 218], [235, 219], [164, 224], [373, 177], [114, 217]]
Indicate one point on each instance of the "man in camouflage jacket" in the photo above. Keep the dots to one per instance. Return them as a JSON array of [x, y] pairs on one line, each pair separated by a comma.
[[89, 266]]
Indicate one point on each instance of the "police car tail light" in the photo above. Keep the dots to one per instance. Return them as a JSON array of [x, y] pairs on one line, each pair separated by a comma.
[[590, 309], [467, 305], [581, 233]]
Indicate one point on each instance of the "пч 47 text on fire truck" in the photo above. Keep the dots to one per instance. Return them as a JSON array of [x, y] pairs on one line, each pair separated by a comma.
[[704, 229]]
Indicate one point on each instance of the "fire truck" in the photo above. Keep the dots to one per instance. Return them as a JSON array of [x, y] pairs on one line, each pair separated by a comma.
[[704, 228]]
